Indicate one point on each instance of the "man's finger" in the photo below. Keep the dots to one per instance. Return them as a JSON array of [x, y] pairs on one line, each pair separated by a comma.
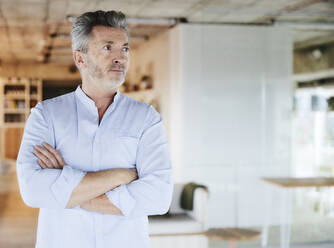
[[45, 160], [42, 164], [55, 153], [49, 155]]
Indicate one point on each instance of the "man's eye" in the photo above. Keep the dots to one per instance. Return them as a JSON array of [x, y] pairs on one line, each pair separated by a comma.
[[126, 49], [107, 47]]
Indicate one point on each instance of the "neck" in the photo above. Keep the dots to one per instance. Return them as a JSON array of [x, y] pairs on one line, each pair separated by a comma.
[[101, 97]]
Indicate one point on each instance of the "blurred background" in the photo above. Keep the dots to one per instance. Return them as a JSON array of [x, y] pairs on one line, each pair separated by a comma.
[[246, 91]]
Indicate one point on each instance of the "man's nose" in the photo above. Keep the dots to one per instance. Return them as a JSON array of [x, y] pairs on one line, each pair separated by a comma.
[[119, 59]]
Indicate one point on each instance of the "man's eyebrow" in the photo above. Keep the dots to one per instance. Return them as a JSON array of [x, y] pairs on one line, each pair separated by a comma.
[[111, 42]]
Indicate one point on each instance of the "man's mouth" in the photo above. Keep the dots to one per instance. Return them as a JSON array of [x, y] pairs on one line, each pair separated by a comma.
[[116, 70]]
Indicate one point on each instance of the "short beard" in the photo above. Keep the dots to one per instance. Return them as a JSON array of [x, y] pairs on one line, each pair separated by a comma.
[[112, 85], [95, 73]]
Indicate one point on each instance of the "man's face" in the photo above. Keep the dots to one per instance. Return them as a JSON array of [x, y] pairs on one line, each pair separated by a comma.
[[107, 59]]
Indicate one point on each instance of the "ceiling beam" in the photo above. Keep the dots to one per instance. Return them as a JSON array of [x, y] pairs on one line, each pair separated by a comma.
[[314, 42]]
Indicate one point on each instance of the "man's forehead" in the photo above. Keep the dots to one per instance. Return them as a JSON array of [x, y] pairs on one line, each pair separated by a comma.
[[104, 33]]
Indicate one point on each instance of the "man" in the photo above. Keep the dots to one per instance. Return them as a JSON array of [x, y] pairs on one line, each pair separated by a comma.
[[94, 161]]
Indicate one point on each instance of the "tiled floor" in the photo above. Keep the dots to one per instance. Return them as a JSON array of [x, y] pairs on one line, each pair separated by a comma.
[[18, 224]]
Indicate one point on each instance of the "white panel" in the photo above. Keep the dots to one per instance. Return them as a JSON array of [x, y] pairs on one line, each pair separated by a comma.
[[236, 113]]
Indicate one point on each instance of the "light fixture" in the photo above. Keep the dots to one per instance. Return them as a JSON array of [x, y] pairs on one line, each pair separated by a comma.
[[316, 54], [70, 18]]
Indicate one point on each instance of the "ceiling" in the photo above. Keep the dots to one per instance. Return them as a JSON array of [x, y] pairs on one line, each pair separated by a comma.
[[38, 30]]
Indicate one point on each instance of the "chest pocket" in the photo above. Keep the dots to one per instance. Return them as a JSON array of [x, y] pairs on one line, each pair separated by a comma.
[[122, 149]]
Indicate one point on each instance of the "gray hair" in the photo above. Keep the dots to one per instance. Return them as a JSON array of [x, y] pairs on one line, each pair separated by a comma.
[[83, 25]]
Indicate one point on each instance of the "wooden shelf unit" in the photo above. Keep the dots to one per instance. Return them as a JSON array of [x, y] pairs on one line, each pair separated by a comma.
[[18, 96], [148, 96]]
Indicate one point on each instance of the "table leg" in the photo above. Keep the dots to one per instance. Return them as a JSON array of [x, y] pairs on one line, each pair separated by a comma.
[[268, 205], [286, 218]]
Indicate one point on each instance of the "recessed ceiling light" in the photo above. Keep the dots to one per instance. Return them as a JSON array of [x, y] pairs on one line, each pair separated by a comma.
[[70, 18]]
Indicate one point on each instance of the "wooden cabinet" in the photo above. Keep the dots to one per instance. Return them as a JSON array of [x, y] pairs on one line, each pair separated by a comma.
[[12, 138], [17, 97]]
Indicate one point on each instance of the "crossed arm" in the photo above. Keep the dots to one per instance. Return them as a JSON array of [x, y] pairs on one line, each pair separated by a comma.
[[52, 184], [90, 193]]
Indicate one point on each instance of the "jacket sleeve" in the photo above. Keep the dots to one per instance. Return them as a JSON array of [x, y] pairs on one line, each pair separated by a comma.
[[43, 188], [151, 193]]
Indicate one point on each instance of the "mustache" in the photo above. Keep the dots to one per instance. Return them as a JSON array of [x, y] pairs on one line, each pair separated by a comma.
[[117, 67]]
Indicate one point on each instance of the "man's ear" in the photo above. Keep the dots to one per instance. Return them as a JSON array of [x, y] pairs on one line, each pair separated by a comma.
[[79, 59]]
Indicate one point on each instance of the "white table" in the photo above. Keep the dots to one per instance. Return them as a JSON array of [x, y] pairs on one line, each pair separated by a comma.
[[289, 183]]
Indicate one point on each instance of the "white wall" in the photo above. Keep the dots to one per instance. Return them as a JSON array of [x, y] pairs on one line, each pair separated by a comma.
[[226, 98], [235, 115]]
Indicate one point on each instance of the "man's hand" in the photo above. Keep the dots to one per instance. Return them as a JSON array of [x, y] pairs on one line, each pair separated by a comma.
[[48, 157], [101, 204], [98, 183]]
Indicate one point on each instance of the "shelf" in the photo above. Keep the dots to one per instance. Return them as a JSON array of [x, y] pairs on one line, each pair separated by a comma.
[[13, 124], [14, 111], [18, 94], [15, 84], [15, 96]]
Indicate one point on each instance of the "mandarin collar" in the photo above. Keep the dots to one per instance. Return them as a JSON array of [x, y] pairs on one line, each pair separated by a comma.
[[81, 95]]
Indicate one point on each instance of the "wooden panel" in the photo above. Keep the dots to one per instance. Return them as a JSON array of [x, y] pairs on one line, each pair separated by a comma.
[[13, 137]]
